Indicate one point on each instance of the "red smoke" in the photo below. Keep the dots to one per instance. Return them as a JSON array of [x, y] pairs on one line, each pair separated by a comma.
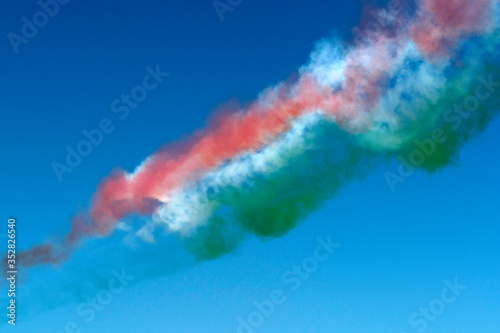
[[441, 23], [42, 254]]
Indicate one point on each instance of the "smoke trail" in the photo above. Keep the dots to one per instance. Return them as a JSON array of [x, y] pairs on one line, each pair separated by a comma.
[[263, 169]]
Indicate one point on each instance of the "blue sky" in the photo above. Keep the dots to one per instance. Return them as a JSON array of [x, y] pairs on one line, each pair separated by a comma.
[[395, 254]]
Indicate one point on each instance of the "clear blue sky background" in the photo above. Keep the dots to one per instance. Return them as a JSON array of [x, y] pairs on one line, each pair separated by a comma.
[[396, 248]]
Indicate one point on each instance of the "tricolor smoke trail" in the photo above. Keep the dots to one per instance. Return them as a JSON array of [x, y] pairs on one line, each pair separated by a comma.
[[262, 169]]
